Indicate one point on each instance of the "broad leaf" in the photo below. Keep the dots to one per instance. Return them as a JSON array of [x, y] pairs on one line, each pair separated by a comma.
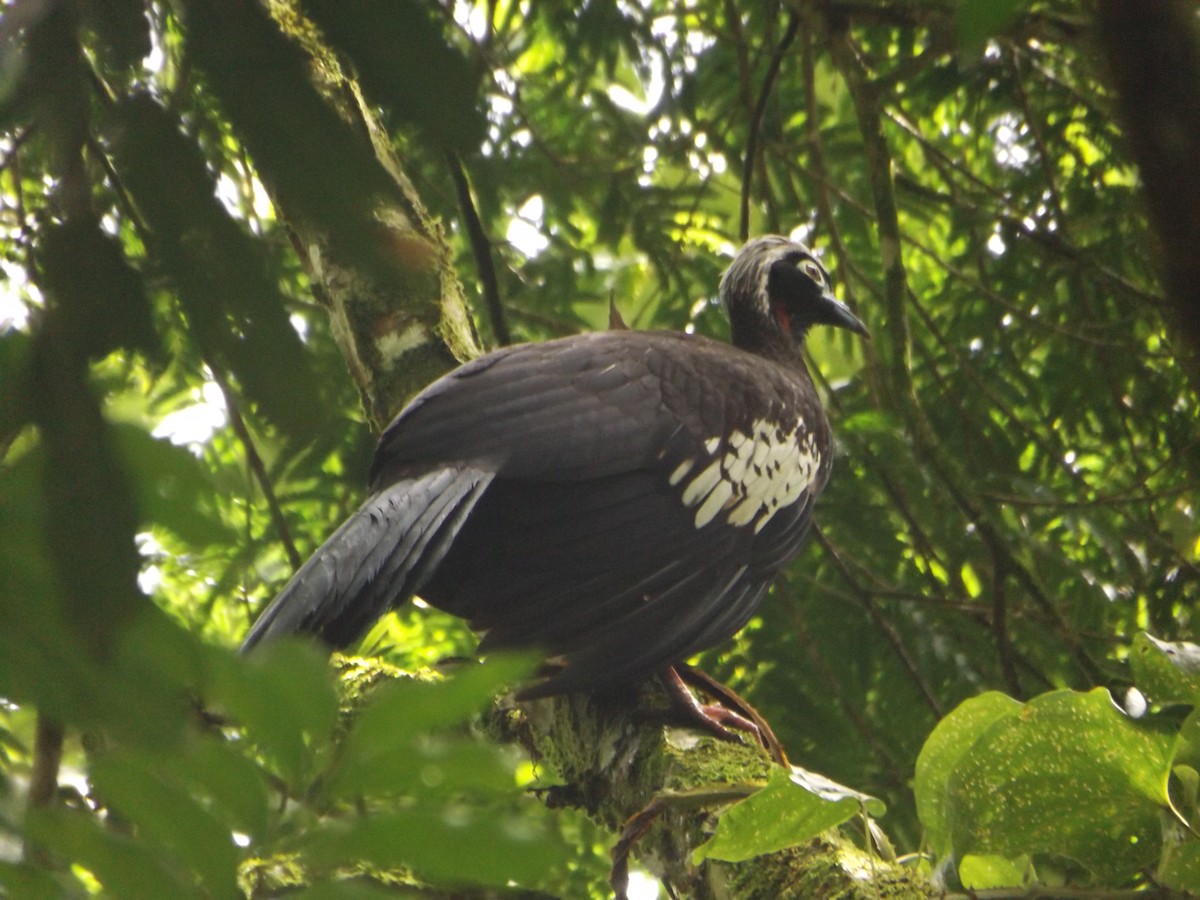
[[794, 807], [1038, 782], [953, 738]]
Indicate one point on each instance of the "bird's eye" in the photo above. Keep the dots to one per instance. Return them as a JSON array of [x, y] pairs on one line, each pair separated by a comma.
[[813, 271]]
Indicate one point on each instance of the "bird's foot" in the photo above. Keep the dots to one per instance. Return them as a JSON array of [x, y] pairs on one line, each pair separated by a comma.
[[730, 712]]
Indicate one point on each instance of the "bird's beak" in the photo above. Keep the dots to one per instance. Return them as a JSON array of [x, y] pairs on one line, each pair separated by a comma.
[[838, 314]]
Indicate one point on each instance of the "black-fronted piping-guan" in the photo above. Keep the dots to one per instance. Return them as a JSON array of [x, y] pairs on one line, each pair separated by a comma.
[[619, 500]]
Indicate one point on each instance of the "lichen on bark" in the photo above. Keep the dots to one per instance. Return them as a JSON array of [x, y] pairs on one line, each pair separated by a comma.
[[402, 325]]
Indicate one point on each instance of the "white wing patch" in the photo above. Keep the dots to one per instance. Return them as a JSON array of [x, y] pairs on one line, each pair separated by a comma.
[[757, 475]]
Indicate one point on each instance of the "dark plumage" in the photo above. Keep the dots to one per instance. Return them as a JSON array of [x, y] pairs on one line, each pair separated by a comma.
[[621, 500]]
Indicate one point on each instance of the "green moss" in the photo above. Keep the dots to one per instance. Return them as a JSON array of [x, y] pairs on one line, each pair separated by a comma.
[[829, 867], [695, 761], [360, 676], [267, 877]]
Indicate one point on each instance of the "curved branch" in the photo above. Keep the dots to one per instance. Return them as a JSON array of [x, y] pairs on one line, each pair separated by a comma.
[[481, 248], [760, 109], [257, 467], [43, 780]]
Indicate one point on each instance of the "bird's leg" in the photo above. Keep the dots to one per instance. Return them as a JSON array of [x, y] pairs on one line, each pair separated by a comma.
[[713, 718], [734, 704], [718, 718]]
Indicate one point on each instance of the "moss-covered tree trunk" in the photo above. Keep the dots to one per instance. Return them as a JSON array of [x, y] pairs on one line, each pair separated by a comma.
[[399, 326]]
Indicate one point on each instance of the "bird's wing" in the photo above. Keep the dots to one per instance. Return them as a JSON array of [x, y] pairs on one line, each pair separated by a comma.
[[614, 498], [381, 554], [568, 409], [623, 529]]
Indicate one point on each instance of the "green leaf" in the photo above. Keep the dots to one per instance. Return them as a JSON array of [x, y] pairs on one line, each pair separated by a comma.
[[1180, 866], [452, 843], [977, 20], [136, 693], [234, 784], [953, 737], [1166, 671], [235, 310], [980, 871], [379, 755], [168, 817], [416, 762], [23, 880], [425, 706], [125, 866], [102, 300], [27, 669], [1041, 781], [284, 696], [794, 806], [172, 488]]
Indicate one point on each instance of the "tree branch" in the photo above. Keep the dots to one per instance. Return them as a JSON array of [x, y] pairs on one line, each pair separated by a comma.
[[620, 764], [257, 468], [481, 248], [43, 780], [900, 391], [1153, 54], [756, 120]]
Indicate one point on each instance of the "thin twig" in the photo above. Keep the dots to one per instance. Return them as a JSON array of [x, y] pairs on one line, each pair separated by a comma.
[[756, 120], [481, 248], [1000, 627], [254, 461], [887, 628], [43, 780]]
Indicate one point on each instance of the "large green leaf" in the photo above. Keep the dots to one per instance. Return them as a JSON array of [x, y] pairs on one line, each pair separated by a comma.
[[945, 748], [125, 866], [25, 880], [231, 786], [1166, 671], [284, 696], [221, 276], [173, 489], [168, 817], [1041, 780]]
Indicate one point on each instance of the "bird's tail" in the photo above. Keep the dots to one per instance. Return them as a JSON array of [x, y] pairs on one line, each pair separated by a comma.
[[379, 557]]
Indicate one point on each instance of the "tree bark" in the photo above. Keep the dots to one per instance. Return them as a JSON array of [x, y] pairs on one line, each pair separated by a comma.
[[624, 767], [1153, 56], [401, 328]]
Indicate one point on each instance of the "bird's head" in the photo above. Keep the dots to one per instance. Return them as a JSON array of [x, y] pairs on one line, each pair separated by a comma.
[[776, 285]]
